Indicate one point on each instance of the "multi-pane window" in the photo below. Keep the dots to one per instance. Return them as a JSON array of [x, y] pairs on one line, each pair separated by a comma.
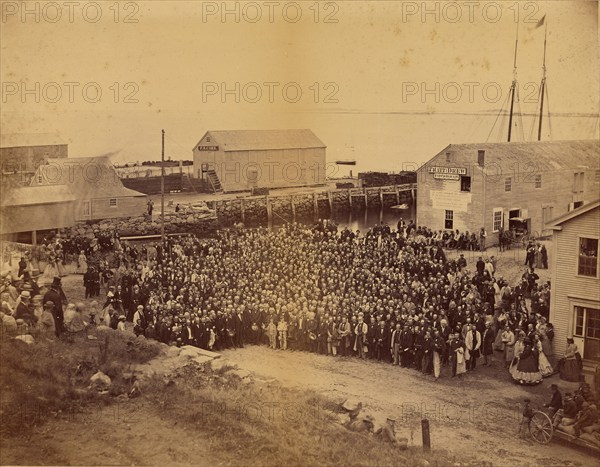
[[538, 181], [579, 315], [587, 322], [508, 184], [497, 220], [592, 323], [112, 202], [588, 257], [449, 220]]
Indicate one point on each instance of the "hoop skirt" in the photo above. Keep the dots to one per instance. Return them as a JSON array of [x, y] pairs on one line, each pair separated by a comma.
[[525, 368]]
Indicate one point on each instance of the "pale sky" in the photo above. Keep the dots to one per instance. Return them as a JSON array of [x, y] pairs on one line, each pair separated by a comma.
[[370, 68]]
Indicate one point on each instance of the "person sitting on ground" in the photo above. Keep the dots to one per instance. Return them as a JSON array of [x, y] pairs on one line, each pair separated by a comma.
[[388, 434], [121, 325]]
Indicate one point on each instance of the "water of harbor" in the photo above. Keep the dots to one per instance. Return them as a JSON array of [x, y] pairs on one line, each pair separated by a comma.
[[362, 219]]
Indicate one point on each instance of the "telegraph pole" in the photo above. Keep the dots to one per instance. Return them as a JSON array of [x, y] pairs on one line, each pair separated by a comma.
[[162, 190]]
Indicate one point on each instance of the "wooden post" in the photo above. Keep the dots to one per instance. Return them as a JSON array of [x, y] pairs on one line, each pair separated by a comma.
[[381, 197], [426, 435], [243, 210], [366, 199], [315, 206], [350, 197], [330, 196], [34, 237], [397, 194]]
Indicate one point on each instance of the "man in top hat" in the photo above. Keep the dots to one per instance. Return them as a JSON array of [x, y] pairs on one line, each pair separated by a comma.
[[58, 298]]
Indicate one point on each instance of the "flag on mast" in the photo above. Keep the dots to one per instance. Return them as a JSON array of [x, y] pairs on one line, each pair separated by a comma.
[[540, 23]]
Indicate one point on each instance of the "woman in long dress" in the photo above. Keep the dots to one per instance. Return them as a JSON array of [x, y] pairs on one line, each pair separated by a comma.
[[62, 271], [569, 366], [544, 364], [51, 270], [82, 263], [525, 368]]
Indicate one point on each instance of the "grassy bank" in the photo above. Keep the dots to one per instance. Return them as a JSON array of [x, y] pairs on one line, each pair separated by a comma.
[[196, 414], [50, 378], [263, 424]]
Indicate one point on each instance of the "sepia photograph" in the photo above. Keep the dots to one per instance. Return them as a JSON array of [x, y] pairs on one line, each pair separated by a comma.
[[300, 233]]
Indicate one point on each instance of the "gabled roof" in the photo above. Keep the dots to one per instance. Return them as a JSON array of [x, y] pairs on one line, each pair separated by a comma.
[[19, 140], [87, 177], [260, 140], [555, 223], [538, 155], [32, 195]]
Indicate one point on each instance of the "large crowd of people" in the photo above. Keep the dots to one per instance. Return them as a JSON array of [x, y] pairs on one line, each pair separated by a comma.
[[390, 295]]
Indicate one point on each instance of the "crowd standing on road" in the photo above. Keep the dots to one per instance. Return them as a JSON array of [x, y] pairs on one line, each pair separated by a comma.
[[389, 295]]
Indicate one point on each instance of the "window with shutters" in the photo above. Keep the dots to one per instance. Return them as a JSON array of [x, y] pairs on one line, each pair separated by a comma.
[[508, 184]]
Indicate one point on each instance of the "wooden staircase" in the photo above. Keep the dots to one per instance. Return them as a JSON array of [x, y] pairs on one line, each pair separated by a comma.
[[214, 182]]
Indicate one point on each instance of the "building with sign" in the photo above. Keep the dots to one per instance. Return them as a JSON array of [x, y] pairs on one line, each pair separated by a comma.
[[519, 186], [575, 298], [244, 159]]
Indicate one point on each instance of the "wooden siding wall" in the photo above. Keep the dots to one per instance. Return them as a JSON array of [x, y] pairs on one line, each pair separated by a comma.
[[474, 210], [126, 207], [277, 167], [569, 289], [38, 217]]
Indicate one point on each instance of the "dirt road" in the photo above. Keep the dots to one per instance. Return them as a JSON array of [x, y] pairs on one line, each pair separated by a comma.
[[476, 415]]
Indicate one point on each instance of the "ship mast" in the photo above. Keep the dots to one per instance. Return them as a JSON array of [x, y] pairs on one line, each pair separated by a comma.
[[543, 85], [513, 86]]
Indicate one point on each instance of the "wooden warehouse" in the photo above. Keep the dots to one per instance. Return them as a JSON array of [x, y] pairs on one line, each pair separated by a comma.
[[99, 192], [500, 186], [28, 210], [575, 298], [22, 154], [245, 159]]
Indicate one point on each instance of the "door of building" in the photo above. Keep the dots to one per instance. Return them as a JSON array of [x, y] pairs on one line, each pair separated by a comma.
[[587, 332]]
